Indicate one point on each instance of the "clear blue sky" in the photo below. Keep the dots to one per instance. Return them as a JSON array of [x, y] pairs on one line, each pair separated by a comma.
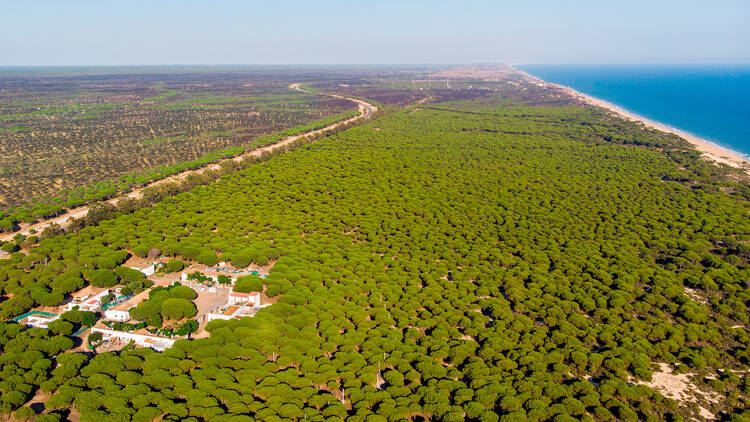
[[42, 32]]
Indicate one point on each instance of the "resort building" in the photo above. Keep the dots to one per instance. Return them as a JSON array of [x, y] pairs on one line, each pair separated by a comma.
[[40, 321], [238, 305], [90, 303], [233, 273], [37, 319], [154, 342], [248, 299], [184, 277], [228, 312], [117, 315], [147, 271]]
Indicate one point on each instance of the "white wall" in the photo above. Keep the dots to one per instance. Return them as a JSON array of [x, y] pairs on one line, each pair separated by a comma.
[[150, 270], [117, 315], [40, 321], [139, 339]]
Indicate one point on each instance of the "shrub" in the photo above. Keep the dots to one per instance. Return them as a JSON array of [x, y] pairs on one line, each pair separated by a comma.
[[207, 258], [103, 278], [241, 260], [128, 275], [61, 327], [140, 251], [174, 265], [9, 247], [183, 292], [24, 413], [248, 283], [177, 308]]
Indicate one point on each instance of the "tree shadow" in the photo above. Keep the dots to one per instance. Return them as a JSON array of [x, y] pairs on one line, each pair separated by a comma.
[[38, 407]]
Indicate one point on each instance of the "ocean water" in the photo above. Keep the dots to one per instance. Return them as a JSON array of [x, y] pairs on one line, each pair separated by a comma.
[[711, 102]]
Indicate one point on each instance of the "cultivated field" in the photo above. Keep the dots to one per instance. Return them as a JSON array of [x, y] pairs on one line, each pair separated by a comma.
[[64, 132]]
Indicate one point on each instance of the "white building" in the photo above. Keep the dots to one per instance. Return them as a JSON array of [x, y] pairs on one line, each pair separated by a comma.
[[238, 305], [157, 343], [228, 312], [184, 277], [248, 299], [40, 320], [117, 315], [90, 303], [147, 271]]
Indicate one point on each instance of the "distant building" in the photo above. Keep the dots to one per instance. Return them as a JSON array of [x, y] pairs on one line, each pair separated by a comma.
[[147, 271], [238, 305], [184, 277], [40, 320], [157, 343], [225, 313], [117, 315], [90, 303], [228, 312], [247, 299]]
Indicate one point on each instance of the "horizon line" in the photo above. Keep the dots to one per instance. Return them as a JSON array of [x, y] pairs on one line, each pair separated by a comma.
[[634, 63]]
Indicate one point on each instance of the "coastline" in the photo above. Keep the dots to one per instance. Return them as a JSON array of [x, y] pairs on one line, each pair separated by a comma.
[[709, 150]]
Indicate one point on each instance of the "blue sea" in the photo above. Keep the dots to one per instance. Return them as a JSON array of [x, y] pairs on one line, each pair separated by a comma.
[[711, 102]]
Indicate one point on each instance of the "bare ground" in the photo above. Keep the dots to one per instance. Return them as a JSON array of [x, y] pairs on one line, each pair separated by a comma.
[[366, 111]]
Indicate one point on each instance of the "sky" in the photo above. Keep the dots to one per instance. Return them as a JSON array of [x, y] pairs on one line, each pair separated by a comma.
[[135, 32]]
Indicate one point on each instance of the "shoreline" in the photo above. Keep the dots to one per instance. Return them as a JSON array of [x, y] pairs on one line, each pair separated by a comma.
[[710, 150]]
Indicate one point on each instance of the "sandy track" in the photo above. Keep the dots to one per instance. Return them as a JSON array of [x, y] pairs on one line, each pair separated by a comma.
[[366, 111]]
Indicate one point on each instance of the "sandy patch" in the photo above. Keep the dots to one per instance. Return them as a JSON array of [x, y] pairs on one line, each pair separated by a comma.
[[693, 294], [680, 388]]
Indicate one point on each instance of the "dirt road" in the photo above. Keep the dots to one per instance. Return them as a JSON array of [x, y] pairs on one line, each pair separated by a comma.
[[366, 110]]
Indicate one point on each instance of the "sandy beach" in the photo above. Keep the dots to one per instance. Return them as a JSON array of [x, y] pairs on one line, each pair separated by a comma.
[[710, 150]]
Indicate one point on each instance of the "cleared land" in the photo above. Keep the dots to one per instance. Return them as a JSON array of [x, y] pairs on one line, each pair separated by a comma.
[[61, 133], [63, 220]]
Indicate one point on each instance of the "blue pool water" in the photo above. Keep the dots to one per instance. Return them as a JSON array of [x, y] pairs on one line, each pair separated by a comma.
[[710, 101]]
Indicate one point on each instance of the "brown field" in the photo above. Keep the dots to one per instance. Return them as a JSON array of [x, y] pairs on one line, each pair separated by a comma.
[[63, 132]]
